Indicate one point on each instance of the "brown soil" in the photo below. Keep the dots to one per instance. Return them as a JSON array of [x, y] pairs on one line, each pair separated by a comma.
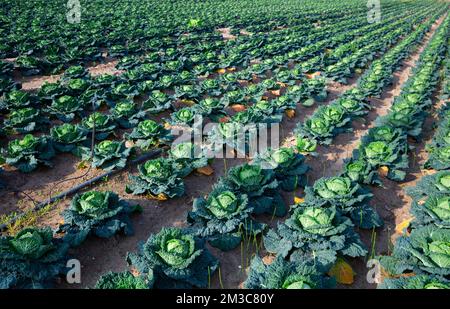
[[99, 256]]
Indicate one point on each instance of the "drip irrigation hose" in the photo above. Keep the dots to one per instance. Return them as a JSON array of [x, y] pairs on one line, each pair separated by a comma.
[[78, 187]]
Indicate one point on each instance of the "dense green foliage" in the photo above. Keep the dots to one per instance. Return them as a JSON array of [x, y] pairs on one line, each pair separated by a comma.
[[177, 259], [31, 259], [98, 213]]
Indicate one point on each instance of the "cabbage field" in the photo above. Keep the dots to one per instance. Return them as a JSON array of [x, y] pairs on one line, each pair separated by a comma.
[[233, 144]]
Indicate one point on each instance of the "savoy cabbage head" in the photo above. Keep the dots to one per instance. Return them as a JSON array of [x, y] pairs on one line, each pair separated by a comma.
[[31, 259], [384, 147], [99, 213], [326, 122], [184, 116], [433, 210], [435, 184], [66, 107], [15, 99], [102, 124], [289, 167], [305, 145], [425, 251], [282, 274], [25, 120], [157, 178], [27, 153], [157, 101], [109, 155], [177, 258], [127, 114], [260, 185], [148, 133], [223, 218], [124, 281], [67, 137], [316, 235], [439, 148], [348, 196], [187, 157], [360, 171]]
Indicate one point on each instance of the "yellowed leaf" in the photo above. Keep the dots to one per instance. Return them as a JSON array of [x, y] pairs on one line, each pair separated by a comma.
[[167, 125], [312, 75], [206, 170], [82, 165], [238, 107], [290, 113], [429, 172], [187, 102], [275, 92], [129, 144], [342, 272], [135, 272], [268, 259], [232, 69], [224, 119], [298, 200], [421, 202], [159, 197], [221, 71], [383, 170], [399, 228]]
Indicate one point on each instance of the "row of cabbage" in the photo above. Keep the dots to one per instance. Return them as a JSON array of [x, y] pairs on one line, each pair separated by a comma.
[[420, 256], [336, 118]]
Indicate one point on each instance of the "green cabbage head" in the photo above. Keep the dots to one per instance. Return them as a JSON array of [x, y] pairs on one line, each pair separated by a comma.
[[305, 144], [223, 204], [333, 187], [175, 250], [283, 156], [297, 282], [32, 243], [67, 133], [158, 169], [92, 203], [148, 127], [383, 133], [107, 147], [27, 144], [443, 182], [439, 253], [316, 220], [377, 152], [355, 169], [440, 207], [250, 176]]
